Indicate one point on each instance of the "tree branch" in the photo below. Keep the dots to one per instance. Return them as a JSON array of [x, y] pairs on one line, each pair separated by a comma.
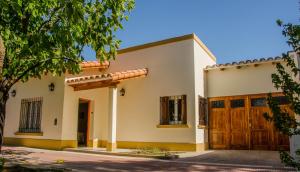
[[55, 10], [35, 66]]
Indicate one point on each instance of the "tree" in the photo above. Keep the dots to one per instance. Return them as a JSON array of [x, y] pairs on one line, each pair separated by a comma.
[[284, 79], [41, 36]]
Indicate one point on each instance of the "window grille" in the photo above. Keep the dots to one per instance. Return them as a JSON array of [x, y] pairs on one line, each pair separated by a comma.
[[30, 115], [173, 110]]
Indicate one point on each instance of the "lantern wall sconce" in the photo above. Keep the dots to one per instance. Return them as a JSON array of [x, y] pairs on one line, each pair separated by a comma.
[[122, 92], [51, 86], [13, 93]]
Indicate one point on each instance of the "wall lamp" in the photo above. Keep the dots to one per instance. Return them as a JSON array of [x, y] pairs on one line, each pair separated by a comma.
[[13, 93], [122, 92], [51, 86]]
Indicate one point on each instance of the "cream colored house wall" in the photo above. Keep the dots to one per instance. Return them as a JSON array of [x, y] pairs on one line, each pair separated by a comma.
[[99, 111], [295, 140], [201, 60], [52, 106], [246, 80], [170, 73], [138, 112]]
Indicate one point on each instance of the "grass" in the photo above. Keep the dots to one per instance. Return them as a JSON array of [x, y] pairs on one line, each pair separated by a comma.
[[156, 152], [21, 168]]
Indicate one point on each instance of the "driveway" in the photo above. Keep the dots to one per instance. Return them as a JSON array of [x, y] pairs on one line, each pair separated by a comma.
[[235, 157], [207, 161]]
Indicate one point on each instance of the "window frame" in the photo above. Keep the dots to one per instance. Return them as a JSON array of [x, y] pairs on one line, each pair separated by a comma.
[[165, 116], [31, 111]]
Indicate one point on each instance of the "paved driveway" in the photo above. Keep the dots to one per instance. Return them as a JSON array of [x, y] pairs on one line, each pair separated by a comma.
[[236, 157], [209, 161]]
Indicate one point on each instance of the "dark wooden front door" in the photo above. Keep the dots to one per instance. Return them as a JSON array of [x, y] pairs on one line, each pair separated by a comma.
[[83, 123], [237, 122]]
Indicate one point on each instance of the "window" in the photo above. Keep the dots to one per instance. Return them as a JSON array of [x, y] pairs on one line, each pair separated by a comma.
[[173, 110], [258, 101], [30, 118], [218, 104], [202, 111], [282, 100], [237, 103]]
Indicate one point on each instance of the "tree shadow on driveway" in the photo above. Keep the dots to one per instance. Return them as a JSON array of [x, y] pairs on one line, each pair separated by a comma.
[[211, 161]]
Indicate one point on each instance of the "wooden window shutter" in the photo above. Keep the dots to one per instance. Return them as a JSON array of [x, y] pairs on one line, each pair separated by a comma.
[[184, 109], [202, 111], [164, 110]]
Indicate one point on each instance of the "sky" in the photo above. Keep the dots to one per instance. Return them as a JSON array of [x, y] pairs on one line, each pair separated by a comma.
[[233, 30]]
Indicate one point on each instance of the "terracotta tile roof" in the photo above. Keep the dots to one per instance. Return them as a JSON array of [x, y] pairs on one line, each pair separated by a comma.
[[94, 64], [112, 77], [246, 62]]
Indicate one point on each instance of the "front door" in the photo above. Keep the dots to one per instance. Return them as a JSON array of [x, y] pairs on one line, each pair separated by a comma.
[[82, 131]]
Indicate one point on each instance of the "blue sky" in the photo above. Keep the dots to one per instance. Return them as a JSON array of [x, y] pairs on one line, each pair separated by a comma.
[[232, 29]]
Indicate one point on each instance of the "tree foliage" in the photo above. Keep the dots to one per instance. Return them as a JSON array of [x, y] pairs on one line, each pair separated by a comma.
[[49, 35], [286, 79]]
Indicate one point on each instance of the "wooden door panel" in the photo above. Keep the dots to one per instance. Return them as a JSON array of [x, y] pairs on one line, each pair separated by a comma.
[[218, 129], [260, 129], [282, 141], [260, 140], [238, 128], [244, 127], [218, 140]]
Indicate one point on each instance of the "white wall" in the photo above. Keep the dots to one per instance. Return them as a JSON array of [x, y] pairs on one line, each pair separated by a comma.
[[201, 60], [247, 80], [52, 106], [99, 111], [138, 112]]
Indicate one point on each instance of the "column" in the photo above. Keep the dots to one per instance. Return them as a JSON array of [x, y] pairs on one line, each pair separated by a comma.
[[112, 119]]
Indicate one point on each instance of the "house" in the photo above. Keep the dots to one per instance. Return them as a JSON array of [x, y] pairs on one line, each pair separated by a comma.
[[169, 94]]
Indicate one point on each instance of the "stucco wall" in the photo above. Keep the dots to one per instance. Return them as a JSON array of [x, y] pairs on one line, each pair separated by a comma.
[[138, 112], [170, 73], [246, 80], [99, 111], [52, 106], [201, 60]]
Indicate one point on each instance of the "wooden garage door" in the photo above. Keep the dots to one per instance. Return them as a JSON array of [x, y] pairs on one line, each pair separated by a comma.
[[237, 122]]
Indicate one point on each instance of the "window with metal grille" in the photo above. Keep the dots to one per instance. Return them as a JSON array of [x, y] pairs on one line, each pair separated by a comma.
[[173, 110], [30, 117]]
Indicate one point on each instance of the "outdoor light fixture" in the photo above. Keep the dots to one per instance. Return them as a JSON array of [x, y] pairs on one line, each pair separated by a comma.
[[122, 92], [13, 93], [51, 86]]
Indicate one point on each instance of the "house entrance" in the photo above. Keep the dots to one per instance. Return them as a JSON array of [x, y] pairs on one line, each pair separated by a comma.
[[83, 122], [237, 122]]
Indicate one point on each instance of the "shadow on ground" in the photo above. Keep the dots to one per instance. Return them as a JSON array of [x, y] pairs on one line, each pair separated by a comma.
[[238, 157], [206, 161]]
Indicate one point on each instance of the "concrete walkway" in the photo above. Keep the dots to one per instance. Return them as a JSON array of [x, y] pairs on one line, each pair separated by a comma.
[[206, 161]]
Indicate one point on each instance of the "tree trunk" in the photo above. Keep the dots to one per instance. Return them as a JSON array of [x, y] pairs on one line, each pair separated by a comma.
[[2, 116]]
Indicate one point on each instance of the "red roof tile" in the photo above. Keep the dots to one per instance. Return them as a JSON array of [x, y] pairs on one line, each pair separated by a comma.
[[94, 64], [116, 76]]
